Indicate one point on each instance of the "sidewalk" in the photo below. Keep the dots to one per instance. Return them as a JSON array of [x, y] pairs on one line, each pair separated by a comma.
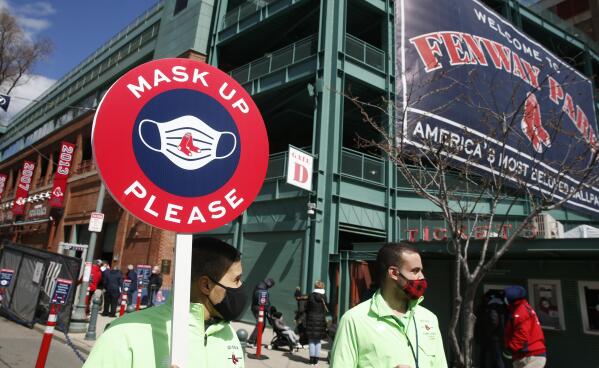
[[276, 358]]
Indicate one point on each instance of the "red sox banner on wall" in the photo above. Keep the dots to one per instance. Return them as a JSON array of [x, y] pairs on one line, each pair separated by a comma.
[[3, 178], [23, 186], [59, 185], [505, 104]]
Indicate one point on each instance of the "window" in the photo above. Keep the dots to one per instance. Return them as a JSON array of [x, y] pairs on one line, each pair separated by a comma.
[[180, 5]]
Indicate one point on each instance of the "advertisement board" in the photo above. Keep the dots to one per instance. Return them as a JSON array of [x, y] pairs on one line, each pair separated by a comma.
[[467, 79]]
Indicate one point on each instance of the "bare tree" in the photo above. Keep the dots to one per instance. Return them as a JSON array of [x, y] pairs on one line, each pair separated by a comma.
[[480, 183], [18, 54]]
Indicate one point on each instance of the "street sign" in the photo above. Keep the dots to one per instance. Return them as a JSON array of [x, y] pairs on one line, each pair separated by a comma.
[[143, 274], [95, 222], [61, 291], [191, 139], [6, 275], [299, 168]]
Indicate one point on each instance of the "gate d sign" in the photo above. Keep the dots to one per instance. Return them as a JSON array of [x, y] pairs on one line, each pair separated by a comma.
[[299, 169], [180, 145]]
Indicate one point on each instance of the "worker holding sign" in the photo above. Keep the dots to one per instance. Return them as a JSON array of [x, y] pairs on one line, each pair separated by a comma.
[[218, 296], [183, 147]]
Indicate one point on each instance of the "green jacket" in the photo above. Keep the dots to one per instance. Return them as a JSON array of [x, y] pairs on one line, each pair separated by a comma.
[[142, 340], [371, 335]]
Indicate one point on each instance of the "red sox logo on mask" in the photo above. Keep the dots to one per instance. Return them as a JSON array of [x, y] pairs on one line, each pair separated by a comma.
[[180, 145]]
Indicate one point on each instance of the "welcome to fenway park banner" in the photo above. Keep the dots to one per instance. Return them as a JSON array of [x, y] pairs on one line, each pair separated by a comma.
[[468, 77]]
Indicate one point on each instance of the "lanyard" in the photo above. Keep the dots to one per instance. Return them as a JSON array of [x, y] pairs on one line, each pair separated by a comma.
[[414, 353]]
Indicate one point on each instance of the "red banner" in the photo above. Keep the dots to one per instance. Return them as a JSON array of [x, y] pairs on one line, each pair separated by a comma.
[[24, 184], [3, 178], [59, 185]]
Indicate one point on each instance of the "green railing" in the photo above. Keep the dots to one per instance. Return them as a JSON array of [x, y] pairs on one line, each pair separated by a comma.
[[244, 11], [364, 52], [279, 59], [362, 166]]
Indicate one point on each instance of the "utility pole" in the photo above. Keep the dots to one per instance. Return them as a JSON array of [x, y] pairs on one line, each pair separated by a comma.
[[79, 317]]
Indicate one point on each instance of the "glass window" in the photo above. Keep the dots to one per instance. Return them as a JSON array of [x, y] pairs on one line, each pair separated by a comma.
[[179, 6]]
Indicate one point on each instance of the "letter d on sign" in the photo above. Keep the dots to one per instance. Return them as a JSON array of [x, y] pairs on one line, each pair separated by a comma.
[[300, 173], [299, 168]]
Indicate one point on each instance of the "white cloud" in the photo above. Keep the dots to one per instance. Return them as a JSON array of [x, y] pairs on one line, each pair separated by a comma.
[[22, 95], [31, 17], [41, 8]]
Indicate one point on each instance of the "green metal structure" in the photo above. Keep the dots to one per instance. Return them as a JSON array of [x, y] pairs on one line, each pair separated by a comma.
[[298, 58]]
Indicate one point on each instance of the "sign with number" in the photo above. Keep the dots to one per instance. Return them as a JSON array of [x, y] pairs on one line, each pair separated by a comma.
[[61, 291], [23, 186], [192, 141], [6, 275]]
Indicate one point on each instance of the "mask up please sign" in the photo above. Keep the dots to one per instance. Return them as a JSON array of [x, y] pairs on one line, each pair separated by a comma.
[[181, 145]]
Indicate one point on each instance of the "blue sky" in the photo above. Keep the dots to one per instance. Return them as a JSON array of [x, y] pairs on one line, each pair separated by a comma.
[[76, 28]]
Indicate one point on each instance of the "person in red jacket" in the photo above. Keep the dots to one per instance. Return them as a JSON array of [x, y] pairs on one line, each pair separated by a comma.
[[523, 334], [94, 281]]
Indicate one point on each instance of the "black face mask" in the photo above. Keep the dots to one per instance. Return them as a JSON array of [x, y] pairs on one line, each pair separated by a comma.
[[233, 303]]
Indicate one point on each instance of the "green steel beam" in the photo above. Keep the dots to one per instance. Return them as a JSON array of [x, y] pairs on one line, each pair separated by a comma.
[[344, 281], [328, 128]]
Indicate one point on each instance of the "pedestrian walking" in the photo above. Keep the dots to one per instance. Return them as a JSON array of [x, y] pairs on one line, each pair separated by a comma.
[[524, 337], [142, 339], [112, 281], [262, 286], [154, 285], [95, 281], [490, 327], [132, 292], [392, 329], [316, 324]]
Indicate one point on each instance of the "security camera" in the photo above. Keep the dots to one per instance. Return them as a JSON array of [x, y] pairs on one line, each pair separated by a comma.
[[311, 208]]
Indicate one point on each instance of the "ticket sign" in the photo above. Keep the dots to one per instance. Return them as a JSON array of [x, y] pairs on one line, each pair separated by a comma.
[[6, 275], [181, 145], [126, 285], [143, 274], [61, 291]]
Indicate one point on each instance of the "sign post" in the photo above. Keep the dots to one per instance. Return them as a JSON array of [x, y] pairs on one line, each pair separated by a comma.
[[196, 152], [59, 297]]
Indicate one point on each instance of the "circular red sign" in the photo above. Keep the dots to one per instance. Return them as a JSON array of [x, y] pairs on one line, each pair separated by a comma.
[[181, 145]]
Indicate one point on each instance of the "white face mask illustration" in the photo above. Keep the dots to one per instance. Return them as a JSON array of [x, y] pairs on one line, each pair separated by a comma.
[[187, 141]]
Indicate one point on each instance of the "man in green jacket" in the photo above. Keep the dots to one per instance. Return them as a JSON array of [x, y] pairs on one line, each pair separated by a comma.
[[142, 339], [391, 329]]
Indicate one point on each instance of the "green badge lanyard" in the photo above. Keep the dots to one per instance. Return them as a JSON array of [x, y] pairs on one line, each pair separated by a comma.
[[414, 353]]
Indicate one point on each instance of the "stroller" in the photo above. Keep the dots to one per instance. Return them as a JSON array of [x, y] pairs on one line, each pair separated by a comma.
[[281, 339]]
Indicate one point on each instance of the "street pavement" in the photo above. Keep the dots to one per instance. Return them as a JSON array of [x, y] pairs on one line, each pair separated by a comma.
[[19, 347]]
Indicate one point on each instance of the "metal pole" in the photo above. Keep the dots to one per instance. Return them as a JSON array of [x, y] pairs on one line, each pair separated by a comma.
[[90, 335], [181, 293], [79, 319]]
